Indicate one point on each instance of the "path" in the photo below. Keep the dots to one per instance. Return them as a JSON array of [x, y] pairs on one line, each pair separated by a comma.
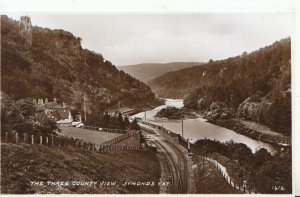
[[226, 176]]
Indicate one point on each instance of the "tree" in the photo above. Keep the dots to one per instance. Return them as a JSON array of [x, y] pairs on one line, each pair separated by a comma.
[[242, 153], [23, 116], [6, 110], [105, 120], [261, 156], [134, 125], [126, 122], [120, 122]]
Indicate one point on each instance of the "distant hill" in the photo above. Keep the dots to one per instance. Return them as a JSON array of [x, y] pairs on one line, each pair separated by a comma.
[[257, 84], [148, 71], [263, 70], [43, 63]]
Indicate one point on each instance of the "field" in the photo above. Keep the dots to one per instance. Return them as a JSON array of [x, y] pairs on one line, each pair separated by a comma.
[[93, 136]]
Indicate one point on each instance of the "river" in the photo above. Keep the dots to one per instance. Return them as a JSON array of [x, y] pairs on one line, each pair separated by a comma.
[[199, 128]]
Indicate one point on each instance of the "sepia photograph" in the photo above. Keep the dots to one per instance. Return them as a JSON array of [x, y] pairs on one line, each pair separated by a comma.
[[146, 103]]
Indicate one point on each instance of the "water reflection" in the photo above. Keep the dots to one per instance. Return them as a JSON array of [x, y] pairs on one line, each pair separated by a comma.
[[199, 128]]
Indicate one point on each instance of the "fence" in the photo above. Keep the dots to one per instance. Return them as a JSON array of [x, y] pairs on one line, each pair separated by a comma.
[[62, 141], [234, 184], [170, 135], [167, 133], [108, 130]]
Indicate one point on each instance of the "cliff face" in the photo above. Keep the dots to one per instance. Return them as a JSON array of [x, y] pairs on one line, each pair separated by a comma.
[[42, 63]]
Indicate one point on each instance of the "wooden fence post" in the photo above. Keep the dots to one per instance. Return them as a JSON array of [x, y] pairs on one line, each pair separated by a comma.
[[17, 137], [25, 137], [47, 140], [32, 139], [41, 140]]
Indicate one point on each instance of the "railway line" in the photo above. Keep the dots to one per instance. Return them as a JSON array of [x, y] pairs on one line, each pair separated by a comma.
[[177, 167], [183, 167]]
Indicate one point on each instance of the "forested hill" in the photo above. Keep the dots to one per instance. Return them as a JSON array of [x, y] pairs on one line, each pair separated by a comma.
[[258, 83], [148, 71], [43, 63]]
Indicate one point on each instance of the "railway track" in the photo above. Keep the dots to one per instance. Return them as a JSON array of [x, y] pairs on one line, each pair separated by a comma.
[[178, 170], [183, 168]]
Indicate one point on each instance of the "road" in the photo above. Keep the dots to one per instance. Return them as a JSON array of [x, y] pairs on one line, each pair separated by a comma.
[[175, 163]]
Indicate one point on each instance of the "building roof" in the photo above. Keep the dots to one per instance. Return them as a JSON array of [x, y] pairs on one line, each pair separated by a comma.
[[60, 113], [124, 110], [66, 121]]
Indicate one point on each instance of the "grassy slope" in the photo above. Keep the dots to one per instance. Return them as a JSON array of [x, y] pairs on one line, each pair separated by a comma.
[[213, 182], [23, 163]]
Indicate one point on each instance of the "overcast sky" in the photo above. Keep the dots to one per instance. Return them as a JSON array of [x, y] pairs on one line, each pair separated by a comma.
[[159, 38]]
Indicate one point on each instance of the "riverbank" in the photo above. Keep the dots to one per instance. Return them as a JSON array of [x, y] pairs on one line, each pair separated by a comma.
[[253, 132], [23, 163]]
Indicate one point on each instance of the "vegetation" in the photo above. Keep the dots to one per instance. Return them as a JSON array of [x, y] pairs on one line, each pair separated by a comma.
[[208, 180], [23, 116], [56, 66], [114, 122], [24, 163], [254, 86], [174, 113], [261, 170], [170, 113]]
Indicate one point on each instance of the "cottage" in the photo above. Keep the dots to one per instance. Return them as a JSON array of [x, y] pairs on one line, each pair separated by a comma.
[[59, 112]]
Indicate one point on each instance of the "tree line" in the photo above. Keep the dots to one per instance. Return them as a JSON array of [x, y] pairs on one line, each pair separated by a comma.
[[260, 169]]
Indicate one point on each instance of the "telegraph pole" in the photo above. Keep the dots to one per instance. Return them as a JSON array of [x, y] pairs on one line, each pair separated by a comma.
[[203, 165], [182, 128], [84, 107]]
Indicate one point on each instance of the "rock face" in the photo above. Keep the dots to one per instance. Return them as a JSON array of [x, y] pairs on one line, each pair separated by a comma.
[[25, 29]]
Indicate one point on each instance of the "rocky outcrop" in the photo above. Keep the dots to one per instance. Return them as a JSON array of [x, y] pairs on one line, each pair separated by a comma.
[[25, 29]]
